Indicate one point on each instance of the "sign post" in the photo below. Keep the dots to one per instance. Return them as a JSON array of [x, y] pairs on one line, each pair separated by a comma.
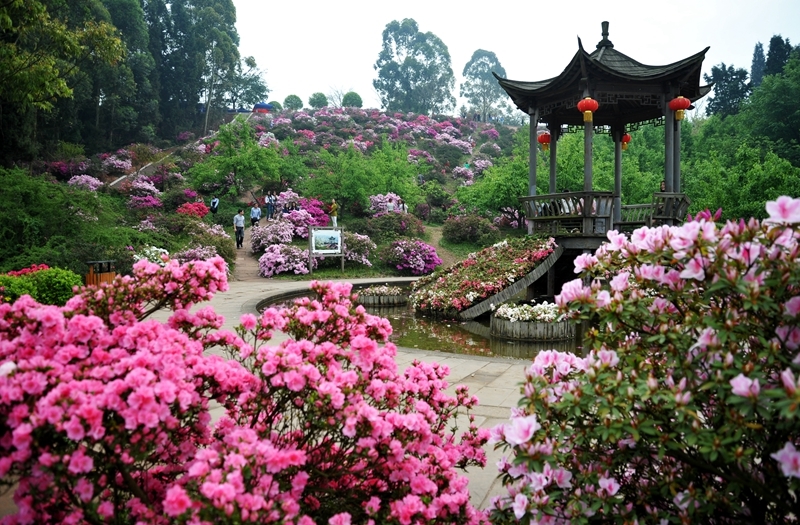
[[324, 242]]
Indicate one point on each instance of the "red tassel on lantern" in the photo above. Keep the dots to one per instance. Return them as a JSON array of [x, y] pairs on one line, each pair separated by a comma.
[[544, 140], [587, 106]]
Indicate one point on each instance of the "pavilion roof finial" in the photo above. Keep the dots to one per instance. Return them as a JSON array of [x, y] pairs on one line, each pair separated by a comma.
[[605, 42]]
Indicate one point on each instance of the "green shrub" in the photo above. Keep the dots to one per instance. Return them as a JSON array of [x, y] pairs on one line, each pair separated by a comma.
[[389, 226], [51, 286], [437, 216], [54, 285], [470, 228], [435, 195], [12, 288], [447, 153]]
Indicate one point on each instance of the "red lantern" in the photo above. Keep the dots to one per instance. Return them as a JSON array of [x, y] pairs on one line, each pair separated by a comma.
[[679, 105], [587, 106], [544, 140], [625, 139]]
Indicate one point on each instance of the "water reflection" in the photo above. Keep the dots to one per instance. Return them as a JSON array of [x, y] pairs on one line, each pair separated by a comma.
[[460, 337]]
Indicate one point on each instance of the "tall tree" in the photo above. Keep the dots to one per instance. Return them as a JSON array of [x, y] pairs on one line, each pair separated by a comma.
[[480, 87], [730, 90], [758, 65], [773, 112], [42, 52], [244, 84], [351, 99], [414, 70], [293, 103], [777, 56], [200, 50], [318, 100]]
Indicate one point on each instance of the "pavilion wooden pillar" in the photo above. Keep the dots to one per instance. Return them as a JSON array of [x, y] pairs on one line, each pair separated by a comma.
[[588, 135], [534, 149], [617, 216], [669, 141], [676, 159], [554, 132]]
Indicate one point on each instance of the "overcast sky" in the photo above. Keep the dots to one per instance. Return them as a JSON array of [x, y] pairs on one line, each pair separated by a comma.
[[316, 45]]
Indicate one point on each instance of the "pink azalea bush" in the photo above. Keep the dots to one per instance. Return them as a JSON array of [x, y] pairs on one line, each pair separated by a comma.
[[105, 414], [86, 182], [274, 232], [684, 406], [283, 258], [379, 203], [300, 219], [412, 256], [357, 248], [317, 210]]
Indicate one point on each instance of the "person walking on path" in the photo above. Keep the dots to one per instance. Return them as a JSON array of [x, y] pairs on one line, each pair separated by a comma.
[[334, 212], [270, 201], [255, 214], [238, 224]]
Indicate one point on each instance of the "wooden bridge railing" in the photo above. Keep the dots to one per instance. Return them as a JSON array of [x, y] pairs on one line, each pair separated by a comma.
[[578, 213]]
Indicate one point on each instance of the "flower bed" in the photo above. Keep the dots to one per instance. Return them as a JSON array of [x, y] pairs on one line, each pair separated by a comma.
[[382, 296], [106, 413], [525, 322], [411, 255], [481, 275]]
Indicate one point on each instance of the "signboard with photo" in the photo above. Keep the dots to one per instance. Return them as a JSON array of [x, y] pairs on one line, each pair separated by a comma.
[[326, 241]]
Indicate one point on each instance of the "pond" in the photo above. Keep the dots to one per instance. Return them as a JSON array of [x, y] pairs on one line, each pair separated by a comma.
[[411, 330]]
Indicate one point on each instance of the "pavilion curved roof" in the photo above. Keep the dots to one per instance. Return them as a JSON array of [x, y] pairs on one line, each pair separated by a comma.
[[627, 91]]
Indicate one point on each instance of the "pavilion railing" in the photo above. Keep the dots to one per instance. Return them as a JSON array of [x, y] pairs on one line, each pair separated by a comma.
[[666, 208], [564, 214], [569, 213]]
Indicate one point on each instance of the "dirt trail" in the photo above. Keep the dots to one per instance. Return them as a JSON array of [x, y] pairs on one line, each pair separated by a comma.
[[448, 258]]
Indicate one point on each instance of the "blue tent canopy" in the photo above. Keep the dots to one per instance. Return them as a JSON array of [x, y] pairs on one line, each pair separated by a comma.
[[262, 106]]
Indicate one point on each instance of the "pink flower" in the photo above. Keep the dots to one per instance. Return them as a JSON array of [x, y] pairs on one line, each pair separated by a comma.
[[694, 269], [789, 459], [520, 505], [521, 429], [787, 378], [744, 386], [584, 261], [80, 462], [610, 485], [248, 321], [176, 501], [784, 210], [603, 299], [342, 518], [792, 306], [620, 282]]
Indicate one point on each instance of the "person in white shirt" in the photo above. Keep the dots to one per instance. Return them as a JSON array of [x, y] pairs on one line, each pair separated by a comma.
[[238, 223]]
